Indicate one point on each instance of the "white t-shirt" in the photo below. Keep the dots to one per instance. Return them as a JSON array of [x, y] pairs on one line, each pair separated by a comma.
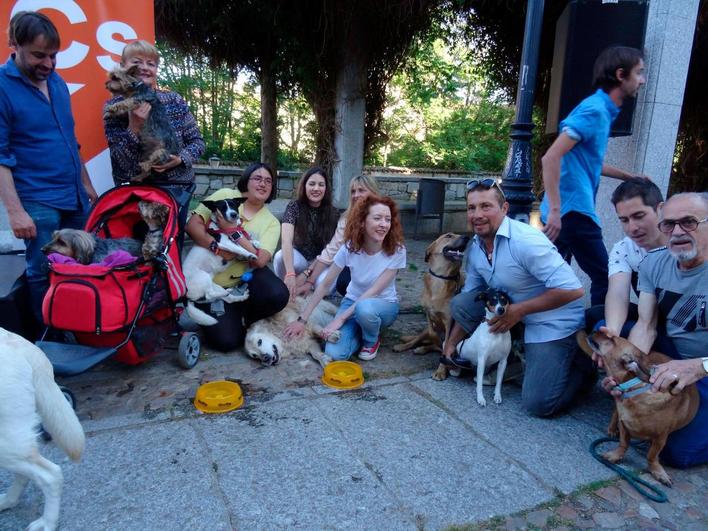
[[365, 269], [625, 257]]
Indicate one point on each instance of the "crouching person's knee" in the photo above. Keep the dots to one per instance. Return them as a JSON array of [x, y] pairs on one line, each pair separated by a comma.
[[466, 311], [537, 403]]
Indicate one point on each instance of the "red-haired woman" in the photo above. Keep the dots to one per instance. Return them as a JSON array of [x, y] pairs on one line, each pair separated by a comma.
[[374, 252]]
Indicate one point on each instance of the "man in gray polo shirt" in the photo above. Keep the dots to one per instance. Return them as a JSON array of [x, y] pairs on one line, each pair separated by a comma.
[[545, 295]]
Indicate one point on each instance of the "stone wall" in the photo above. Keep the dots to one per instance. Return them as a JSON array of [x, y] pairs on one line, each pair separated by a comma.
[[397, 185]]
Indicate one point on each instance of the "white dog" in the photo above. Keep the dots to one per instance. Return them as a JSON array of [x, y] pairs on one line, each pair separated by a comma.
[[201, 264], [264, 340], [483, 348], [26, 388]]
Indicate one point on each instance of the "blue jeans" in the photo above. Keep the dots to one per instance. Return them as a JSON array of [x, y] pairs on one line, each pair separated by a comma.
[[580, 237], [47, 219], [363, 327]]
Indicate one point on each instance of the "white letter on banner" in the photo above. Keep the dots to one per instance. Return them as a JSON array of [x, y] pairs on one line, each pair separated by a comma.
[[77, 51], [104, 36]]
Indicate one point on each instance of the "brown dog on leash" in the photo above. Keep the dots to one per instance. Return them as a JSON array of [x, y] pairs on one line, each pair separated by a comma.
[[640, 412], [440, 283]]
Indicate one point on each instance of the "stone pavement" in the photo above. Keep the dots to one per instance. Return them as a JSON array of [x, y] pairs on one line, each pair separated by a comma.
[[403, 452]]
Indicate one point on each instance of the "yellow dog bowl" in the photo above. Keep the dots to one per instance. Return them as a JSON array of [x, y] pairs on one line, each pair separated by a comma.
[[343, 375], [218, 397]]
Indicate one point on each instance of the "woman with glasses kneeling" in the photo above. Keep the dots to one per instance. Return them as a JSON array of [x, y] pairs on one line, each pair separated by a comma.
[[268, 294], [374, 252]]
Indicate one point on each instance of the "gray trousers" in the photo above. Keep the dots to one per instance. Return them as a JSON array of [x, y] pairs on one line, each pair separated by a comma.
[[555, 370]]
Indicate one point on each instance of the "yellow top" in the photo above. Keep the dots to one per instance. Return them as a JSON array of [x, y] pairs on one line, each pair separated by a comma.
[[263, 227]]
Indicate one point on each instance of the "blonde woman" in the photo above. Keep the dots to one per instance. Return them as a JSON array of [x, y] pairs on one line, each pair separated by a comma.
[[359, 187]]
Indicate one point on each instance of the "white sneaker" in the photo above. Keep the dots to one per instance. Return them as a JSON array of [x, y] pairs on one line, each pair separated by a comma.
[[369, 353]]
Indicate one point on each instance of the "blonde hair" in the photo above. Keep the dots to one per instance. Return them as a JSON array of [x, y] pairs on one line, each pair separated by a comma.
[[139, 47], [368, 182]]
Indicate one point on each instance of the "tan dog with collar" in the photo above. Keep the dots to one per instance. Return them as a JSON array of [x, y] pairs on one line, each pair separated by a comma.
[[640, 412], [440, 283]]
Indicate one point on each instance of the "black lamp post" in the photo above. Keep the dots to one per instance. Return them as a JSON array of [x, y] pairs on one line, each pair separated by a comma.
[[517, 180]]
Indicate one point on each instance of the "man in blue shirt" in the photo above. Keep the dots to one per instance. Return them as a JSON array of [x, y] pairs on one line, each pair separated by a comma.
[[43, 182], [545, 295], [573, 164]]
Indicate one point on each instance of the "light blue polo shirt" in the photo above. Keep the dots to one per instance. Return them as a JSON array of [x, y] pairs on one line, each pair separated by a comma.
[[525, 264], [589, 123]]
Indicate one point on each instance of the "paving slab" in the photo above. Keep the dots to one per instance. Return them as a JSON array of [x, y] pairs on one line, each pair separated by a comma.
[[554, 450], [150, 477], [436, 465], [284, 465]]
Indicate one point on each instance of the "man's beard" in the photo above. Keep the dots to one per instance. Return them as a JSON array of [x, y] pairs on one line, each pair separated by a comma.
[[684, 256]]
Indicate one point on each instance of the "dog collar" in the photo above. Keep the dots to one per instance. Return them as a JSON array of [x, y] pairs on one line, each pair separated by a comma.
[[624, 387], [444, 277]]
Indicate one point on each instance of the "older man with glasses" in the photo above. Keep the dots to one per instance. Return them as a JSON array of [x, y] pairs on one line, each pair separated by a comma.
[[545, 295], [673, 285]]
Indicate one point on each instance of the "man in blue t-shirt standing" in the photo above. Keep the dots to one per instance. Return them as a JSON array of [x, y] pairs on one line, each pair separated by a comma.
[[573, 164], [43, 182]]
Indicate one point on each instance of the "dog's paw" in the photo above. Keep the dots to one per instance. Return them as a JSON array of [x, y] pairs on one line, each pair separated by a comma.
[[424, 349], [440, 373], [497, 398], [236, 295], [481, 401], [40, 524], [658, 473], [399, 348], [334, 336], [7, 503], [614, 456]]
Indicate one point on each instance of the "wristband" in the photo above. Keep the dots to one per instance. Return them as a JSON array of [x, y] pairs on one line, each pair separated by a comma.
[[300, 319], [290, 275], [307, 272]]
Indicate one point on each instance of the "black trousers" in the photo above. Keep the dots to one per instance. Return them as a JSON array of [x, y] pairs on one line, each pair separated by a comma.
[[268, 295], [580, 237]]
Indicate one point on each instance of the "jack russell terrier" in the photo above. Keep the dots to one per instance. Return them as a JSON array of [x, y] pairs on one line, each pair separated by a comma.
[[483, 348]]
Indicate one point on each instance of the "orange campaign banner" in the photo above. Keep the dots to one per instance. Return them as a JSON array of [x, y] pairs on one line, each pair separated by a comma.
[[93, 34]]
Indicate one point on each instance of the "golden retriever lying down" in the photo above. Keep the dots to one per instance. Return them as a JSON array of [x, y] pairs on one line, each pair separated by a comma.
[[264, 339]]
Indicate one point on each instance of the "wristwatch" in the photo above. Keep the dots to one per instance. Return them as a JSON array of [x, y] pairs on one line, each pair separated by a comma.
[[301, 320], [307, 272], [705, 364]]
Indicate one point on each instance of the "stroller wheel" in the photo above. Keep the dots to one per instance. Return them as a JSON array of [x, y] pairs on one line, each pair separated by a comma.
[[188, 351]]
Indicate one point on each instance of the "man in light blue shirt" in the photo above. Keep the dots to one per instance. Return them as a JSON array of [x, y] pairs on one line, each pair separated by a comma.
[[573, 164], [545, 295]]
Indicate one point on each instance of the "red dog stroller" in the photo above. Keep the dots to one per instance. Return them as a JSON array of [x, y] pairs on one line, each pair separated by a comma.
[[126, 311]]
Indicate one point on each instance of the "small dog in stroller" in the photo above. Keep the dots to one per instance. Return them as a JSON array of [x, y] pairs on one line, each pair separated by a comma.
[[86, 248]]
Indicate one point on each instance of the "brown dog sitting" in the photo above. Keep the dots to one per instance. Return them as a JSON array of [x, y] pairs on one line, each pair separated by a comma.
[[440, 283], [157, 137], [640, 412]]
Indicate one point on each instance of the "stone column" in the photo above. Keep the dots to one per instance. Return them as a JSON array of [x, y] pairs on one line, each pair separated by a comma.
[[650, 149], [349, 135]]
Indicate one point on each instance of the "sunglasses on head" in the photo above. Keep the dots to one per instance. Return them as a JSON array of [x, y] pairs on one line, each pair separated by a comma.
[[487, 183]]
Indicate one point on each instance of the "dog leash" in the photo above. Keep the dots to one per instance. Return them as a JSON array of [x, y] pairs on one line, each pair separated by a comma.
[[651, 491]]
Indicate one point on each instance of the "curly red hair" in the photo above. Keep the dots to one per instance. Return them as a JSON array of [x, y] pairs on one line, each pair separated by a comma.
[[355, 230]]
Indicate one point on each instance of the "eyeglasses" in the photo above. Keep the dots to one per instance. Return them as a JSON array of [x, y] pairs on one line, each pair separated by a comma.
[[486, 183], [687, 224], [261, 180]]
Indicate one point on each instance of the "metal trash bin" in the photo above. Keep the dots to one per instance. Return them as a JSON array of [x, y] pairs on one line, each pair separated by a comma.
[[430, 202]]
